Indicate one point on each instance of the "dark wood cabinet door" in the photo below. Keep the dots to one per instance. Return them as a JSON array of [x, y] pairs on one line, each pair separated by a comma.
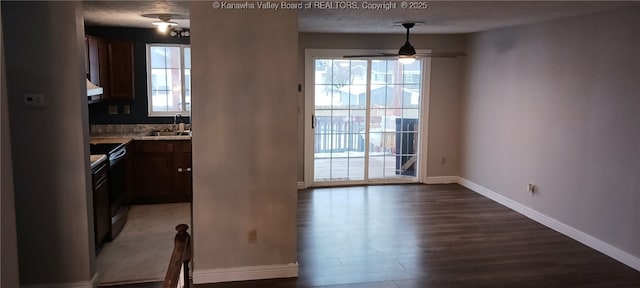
[[157, 178], [103, 65], [121, 85], [101, 210], [129, 177], [110, 66], [185, 178], [163, 171], [92, 64]]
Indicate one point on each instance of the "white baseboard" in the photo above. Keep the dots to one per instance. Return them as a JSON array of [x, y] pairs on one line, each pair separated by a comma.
[[584, 238], [301, 185], [442, 180], [245, 273]]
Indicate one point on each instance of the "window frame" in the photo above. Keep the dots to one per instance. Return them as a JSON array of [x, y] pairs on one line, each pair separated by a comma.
[[150, 112]]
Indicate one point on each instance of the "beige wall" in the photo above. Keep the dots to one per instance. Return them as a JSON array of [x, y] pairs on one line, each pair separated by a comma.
[[443, 121], [557, 104], [43, 53], [443, 156], [244, 123], [8, 246]]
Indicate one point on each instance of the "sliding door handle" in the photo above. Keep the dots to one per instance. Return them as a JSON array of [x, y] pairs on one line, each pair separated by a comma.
[[313, 121]]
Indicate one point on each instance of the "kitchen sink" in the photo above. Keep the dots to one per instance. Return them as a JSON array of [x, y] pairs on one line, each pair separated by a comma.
[[169, 133]]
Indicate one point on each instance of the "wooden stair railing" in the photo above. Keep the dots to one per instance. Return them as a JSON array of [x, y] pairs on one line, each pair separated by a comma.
[[180, 259]]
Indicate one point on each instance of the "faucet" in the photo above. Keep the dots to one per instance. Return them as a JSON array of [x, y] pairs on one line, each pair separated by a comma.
[[175, 120]]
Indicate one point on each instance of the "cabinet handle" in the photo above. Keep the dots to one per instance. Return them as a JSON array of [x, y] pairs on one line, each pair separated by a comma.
[[179, 170], [188, 169]]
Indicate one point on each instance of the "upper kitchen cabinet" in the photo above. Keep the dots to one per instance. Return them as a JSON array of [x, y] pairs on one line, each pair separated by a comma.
[[110, 65], [93, 60], [120, 70]]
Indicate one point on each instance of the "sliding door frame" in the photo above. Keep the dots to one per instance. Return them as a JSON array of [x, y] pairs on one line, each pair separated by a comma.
[[309, 99]]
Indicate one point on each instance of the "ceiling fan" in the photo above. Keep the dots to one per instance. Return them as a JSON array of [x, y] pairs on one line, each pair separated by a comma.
[[407, 54], [165, 20]]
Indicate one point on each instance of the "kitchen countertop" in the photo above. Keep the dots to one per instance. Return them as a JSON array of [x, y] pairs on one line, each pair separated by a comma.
[[113, 139], [172, 137], [127, 137], [97, 159]]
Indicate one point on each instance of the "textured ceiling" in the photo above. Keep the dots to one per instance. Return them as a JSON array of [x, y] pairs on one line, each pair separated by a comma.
[[439, 17], [129, 13]]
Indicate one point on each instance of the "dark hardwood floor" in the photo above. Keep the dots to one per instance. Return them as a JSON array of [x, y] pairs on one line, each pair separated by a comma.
[[432, 236]]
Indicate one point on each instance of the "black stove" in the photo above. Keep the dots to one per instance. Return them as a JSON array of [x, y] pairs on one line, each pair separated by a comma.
[[114, 151], [105, 148], [119, 200]]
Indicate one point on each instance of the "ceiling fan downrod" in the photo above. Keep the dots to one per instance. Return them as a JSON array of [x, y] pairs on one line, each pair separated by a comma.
[[407, 49]]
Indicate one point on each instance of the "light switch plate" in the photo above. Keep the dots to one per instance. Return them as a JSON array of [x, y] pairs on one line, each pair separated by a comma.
[[34, 100]]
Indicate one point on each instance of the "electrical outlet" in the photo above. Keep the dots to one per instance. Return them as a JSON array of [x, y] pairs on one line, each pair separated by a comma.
[[112, 109], [252, 236], [126, 109], [531, 188]]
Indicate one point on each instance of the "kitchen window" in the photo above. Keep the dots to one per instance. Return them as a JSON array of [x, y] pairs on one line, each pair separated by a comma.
[[169, 79]]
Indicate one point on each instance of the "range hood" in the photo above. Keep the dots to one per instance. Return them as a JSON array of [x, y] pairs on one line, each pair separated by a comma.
[[93, 91]]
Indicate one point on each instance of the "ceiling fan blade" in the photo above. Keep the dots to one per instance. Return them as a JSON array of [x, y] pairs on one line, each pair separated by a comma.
[[442, 54], [378, 55], [389, 55], [407, 50]]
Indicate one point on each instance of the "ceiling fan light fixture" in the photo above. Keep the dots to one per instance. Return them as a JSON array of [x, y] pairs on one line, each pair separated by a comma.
[[180, 32], [407, 50], [406, 59], [407, 53], [163, 26]]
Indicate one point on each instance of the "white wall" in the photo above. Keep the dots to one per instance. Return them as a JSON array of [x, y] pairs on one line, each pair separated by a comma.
[[446, 73], [558, 104], [244, 123], [8, 246], [44, 54]]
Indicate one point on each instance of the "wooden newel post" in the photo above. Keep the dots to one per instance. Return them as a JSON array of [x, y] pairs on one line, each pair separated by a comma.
[[182, 232], [184, 236], [181, 256]]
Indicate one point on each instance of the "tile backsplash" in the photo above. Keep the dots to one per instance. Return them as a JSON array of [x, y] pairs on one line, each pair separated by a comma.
[[130, 128]]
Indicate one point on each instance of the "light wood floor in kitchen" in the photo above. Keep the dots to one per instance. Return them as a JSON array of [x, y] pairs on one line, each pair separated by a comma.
[[432, 236], [141, 252]]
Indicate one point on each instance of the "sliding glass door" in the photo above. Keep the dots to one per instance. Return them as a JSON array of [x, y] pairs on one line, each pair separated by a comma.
[[365, 120], [394, 119], [339, 119]]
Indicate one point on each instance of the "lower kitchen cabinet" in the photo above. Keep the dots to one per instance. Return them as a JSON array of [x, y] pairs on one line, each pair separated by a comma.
[[163, 171], [129, 177], [101, 210]]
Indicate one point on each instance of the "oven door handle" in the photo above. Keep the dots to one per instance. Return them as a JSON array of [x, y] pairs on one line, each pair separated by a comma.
[[119, 155]]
